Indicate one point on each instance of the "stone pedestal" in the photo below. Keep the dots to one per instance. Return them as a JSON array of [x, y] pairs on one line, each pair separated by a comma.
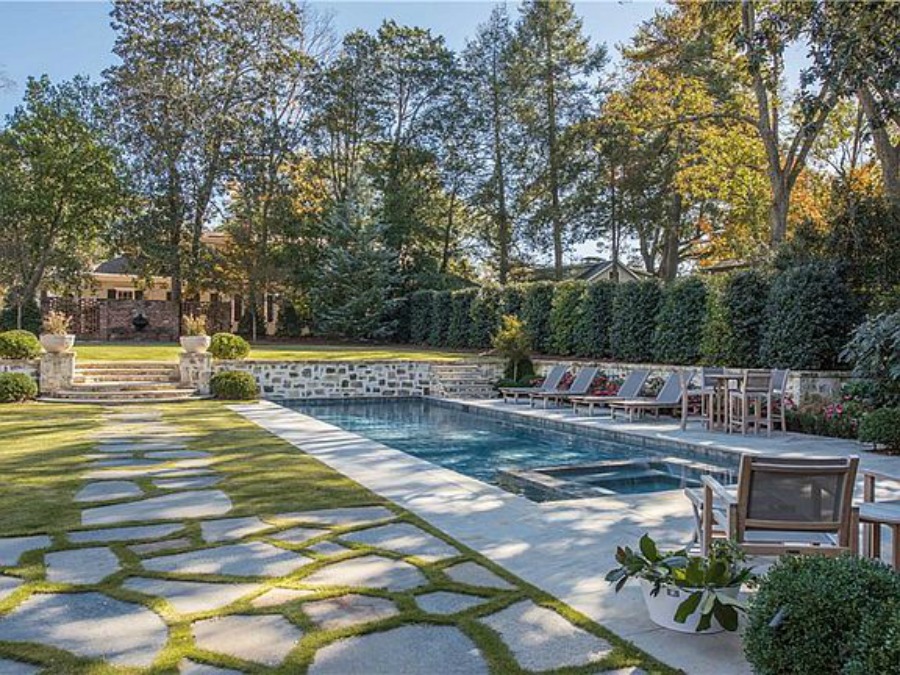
[[196, 370], [57, 371]]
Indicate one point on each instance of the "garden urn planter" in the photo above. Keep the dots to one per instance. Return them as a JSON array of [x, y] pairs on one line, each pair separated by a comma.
[[662, 608], [195, 344], [57, 344]]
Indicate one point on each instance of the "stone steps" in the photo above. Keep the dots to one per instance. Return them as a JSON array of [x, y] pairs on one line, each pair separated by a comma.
[[127, 385], [94, 378], [117, 382], [463, 380], [122, 396]]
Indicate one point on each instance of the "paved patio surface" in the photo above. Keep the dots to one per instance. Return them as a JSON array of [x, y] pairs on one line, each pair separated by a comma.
[[254, 588], [562, 547]]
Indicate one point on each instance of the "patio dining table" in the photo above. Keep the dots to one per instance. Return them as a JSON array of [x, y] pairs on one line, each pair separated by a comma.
[[719, 400]]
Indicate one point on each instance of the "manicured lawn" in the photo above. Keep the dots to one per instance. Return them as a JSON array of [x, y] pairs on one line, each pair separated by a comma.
[[162, 351], [40, 461]]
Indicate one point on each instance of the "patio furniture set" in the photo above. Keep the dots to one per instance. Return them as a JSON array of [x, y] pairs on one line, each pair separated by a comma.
[[779, 505]]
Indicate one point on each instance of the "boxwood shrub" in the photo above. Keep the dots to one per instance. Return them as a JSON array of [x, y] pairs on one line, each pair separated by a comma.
[[565, 316], [420, 316], [881, 427], [17, 387], [228, 347], [19, 344], [634, 309], [485, 315], [744, 304], [715, 344], [592, 332], [811, 312], [234, 385], [439, 318], [536, 314], [680, 321], [825, 609], [877, 645]]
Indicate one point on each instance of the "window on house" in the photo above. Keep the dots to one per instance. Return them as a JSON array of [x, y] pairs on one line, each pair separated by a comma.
[[168, 296], [139, 295], [213, 297], [124, 294]]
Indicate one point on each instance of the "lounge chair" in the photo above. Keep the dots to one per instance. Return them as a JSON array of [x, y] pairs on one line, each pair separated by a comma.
[[551, 383], [876, 514], [782, 505], [631, 388], [668, 398], [580, 386]]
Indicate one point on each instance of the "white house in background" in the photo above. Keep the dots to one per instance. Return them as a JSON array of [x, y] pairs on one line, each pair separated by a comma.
[[592, 270]]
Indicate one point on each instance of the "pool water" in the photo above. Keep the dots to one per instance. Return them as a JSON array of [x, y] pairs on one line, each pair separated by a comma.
[[475, 445]]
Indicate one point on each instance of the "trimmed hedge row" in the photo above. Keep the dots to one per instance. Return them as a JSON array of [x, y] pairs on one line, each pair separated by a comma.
[[797, 319]]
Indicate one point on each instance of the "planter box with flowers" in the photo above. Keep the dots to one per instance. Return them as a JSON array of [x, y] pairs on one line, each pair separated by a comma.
[[55, 336], [194, 339], [683, 592]]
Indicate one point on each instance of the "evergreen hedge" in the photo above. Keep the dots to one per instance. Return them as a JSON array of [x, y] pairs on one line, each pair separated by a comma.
[[715, 344], [439, 318], [594, 318], [538, 298], [680, 321], [458, 332], [565, 316], [512, 297], [634, 310], [420, 304], [811, 313], [485, 314], [31, 317], [744, 304]]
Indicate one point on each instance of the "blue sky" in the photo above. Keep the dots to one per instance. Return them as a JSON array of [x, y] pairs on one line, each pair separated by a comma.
[[63, 39]]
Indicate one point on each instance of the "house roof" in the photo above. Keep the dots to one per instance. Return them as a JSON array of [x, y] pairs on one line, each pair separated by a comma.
[[586, 270], [120, 265]]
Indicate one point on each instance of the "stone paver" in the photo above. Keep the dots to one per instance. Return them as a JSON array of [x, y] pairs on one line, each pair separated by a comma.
[[188, 483], [12, 548], [118, 462], [297, 535], [541, 639], [442, 602], [7, 586], [368, 572], [81, 566], [167, 455], [108, 490], [280, 596], [192, 504], [265, 639], [474, 574], [187, 667], [349, 610], [344, 517], [8, 667], [88, 624], [408, 650], [248, 559], [328, 548], [404, 538], [117, 446], [188, 597], [125, 533], [231, 528], [160, 546]]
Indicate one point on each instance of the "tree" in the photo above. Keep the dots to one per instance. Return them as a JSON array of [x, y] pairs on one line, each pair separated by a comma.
[[552, 61], [60, 189]]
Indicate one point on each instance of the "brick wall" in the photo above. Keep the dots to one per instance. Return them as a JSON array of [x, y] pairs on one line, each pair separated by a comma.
[[117, 317]]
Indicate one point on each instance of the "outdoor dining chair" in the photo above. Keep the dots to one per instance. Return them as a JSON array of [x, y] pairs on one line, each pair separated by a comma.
[[782, 505], [751, 403]]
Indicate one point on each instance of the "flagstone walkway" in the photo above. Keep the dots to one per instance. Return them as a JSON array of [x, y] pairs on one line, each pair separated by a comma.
[[330, 592]]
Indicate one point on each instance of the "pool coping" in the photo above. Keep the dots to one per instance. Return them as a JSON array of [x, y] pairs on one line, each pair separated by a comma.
[[562, 547]]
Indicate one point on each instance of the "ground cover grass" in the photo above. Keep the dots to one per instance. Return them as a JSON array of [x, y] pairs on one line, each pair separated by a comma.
[[168, 351], [263, 475]]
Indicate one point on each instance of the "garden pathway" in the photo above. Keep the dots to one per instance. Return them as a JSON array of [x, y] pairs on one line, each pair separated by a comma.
[[162, 576]]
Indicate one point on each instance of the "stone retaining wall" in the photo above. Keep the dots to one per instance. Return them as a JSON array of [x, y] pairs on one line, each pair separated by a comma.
[[801, 383], [335, 379]]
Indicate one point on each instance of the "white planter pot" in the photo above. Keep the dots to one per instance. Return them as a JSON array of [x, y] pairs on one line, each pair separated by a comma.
[[57, 344], [662, 608], [195, 344]]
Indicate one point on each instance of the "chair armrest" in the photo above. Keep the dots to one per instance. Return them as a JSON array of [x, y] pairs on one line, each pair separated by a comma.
[[881, 475], [718, 489]]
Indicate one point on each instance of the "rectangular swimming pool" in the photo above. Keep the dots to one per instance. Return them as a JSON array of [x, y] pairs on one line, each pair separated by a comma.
[[487, 448]]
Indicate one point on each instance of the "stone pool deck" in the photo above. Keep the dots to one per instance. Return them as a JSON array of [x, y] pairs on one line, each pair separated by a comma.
[[563, 548]]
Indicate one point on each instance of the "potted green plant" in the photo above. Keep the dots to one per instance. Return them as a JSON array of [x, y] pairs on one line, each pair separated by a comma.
[[55, 336], [194, 339], [684, 592]]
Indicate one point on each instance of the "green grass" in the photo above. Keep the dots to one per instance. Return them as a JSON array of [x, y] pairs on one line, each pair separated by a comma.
[[163, 351], [40, 447]]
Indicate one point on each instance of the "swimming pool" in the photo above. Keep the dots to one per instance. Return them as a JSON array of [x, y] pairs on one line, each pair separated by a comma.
[[487, 449]]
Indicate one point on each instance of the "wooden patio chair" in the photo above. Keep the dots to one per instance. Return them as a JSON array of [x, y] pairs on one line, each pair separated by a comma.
[[875, 514], [747, 404], [783, 505], [551, 383]]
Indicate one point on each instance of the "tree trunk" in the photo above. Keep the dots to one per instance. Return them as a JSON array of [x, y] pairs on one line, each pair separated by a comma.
[[668, 267], [503, 230], [888, 154], [553, 160], [613, 226], [778, 210]]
